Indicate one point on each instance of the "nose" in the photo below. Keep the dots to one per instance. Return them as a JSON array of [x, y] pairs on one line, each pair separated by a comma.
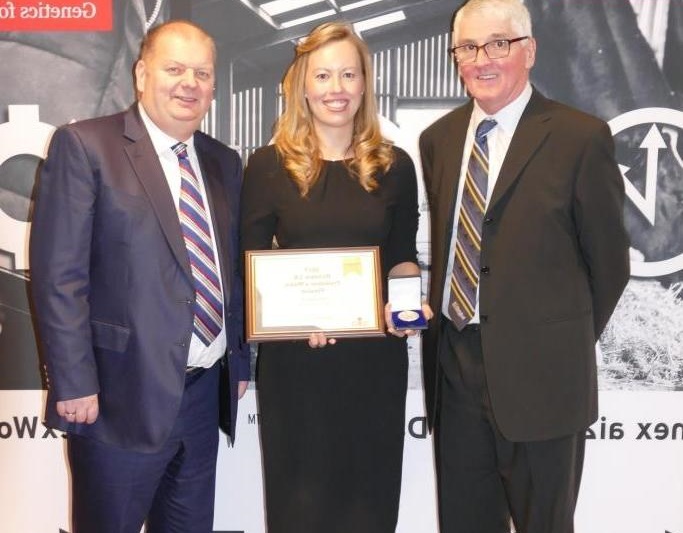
[[336, 84], [189, 77], [481, 56]]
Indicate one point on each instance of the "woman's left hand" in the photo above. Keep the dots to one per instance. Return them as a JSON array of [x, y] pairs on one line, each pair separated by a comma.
[[426, 310]]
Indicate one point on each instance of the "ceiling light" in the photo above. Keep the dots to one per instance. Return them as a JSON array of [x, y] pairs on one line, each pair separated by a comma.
[[277, 7], [309, 18], [376, 22]]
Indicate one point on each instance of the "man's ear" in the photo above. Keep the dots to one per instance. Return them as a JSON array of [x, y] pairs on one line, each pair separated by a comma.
[[530, 53], [140, 73]]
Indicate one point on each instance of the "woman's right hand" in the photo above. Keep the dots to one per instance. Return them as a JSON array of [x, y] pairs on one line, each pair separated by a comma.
[[319, 340]]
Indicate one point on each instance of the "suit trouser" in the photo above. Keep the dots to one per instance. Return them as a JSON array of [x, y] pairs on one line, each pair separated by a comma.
[[484, 479], [115, 490]]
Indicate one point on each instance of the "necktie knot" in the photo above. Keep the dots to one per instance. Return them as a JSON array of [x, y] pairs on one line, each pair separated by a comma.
[[483, 129], [180, 150]]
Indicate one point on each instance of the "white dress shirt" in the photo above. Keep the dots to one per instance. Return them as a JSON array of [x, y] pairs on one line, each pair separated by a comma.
[[199, 355], [498, 140]]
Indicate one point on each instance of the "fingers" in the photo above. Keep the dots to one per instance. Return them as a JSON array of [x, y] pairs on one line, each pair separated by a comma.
[[390, 323], [396, 332], [387, 317], [319, 340], [79, 410], [91, 414], [428, 313], [242, 388]]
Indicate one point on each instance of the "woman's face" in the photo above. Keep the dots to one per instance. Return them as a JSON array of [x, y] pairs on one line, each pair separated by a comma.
[[334, 85]]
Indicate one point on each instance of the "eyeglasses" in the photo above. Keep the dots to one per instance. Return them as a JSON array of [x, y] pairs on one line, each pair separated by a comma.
[[498, 49]]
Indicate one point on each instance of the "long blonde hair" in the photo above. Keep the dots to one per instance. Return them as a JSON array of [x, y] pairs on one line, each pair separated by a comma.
[[295, 138]]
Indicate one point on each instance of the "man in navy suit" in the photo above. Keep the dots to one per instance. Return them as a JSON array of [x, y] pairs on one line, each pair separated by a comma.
[[529, 259], [134, 365]]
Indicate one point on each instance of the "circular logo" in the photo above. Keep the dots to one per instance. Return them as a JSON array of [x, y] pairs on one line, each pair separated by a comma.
[[663, 121]]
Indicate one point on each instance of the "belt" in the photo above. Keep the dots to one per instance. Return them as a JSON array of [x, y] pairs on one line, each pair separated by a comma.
[[194, 371]]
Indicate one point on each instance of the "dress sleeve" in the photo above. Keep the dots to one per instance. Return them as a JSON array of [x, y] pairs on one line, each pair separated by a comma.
[[401, 242], [258, 216]]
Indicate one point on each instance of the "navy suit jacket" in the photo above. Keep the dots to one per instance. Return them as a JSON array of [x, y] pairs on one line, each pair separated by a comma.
[[111, 278], [554, 257]]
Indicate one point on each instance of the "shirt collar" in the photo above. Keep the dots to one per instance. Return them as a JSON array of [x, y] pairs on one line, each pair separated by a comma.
[[508, 117], [161, 141]]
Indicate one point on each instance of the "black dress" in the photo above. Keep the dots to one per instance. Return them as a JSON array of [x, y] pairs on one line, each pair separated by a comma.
[[332, 419]]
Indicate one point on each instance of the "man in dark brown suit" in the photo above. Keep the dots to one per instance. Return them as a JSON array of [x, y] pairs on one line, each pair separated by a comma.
[[529, 258]]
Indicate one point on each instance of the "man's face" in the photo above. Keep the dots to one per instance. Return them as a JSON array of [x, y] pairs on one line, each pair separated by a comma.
[[494, 83], [176, 80]]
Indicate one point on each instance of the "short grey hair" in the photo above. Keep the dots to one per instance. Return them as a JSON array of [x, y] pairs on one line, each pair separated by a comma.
[[513, 10]]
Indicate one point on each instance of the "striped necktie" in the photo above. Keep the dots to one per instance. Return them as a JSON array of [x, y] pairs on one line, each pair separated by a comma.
[[208, 306], [465, 275]]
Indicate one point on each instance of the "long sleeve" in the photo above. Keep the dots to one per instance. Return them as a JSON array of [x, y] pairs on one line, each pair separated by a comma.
[[60, 265]]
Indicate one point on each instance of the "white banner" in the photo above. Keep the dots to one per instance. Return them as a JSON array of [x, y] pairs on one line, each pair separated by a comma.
[[632, 477]]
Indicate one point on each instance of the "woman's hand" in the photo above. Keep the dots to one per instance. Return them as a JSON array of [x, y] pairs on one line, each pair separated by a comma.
[[426, 310], [319, 340]]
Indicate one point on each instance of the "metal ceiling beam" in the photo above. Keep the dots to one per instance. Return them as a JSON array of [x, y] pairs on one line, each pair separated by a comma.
[[293, 34]]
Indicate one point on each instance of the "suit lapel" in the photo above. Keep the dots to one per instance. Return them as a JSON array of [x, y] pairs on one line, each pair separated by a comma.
[[455, 137], [220, 210], [532, 129], [145, 163], [454, 142]]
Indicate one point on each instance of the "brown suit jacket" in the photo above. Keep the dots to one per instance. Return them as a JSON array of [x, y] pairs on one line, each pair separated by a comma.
[[554, 259]]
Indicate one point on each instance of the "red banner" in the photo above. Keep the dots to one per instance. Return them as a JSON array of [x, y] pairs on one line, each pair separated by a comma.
[[55, 15]]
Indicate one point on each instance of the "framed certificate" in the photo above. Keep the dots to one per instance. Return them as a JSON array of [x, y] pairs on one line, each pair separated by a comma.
[[293, 293]]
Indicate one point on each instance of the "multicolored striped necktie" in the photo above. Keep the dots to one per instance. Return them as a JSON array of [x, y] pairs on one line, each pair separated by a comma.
[[208, 307], [465, 275]]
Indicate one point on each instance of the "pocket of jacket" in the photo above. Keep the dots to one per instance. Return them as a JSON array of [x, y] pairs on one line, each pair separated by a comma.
[[109, 336], [581, 314]]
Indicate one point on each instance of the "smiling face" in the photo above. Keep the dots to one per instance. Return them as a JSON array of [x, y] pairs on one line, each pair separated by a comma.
[[334, 85], [494, 83], [175, 79]]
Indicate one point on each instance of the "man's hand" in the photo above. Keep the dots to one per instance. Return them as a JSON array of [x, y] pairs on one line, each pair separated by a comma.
[[79, 410], [242, 388]]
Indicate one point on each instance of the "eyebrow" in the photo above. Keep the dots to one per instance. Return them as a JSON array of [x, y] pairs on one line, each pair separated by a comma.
[[340, 68], [490, 38], [204, 66]]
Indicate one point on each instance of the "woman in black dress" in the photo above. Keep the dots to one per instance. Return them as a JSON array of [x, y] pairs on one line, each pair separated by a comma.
[[332, 419]]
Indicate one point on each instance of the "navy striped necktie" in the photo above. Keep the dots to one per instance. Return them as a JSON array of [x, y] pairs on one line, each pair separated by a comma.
[[465, 276], [208, 307]]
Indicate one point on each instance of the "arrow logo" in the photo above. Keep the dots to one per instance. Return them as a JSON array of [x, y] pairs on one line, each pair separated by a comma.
[[653, 143]]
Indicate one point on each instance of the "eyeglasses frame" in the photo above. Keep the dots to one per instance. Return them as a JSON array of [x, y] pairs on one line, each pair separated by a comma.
[[452, 49]]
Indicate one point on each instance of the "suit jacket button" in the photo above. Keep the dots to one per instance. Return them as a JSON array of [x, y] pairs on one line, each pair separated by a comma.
[[484, 270], [483, 318], [488, 220]]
